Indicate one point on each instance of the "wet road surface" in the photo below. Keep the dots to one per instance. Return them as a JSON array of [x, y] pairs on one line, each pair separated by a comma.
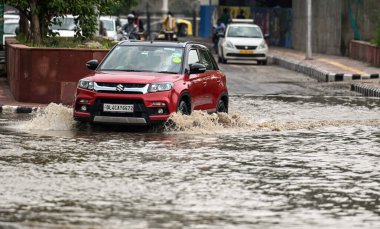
[[296, 162], [276, 161]]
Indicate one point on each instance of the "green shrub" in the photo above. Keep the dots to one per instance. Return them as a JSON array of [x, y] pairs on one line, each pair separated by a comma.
[[69, 42]]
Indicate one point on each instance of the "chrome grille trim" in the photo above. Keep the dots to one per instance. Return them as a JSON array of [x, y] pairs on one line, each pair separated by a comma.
[[126, 90]]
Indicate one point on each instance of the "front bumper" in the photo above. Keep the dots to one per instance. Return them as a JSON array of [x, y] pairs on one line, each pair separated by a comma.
[[242, 54], [146, 110]]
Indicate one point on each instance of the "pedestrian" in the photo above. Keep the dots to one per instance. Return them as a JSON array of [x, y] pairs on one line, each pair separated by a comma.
[[241, 15], [225, 17], [102, 29], [169, 23], [217, 31]]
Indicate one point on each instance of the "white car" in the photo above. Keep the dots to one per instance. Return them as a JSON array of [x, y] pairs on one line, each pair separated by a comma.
[[109, 24], [65, 27], [10, 27], [242, 41]]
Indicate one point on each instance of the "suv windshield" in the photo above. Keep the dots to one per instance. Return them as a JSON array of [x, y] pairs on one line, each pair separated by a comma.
[[244, 31], [143, 59]]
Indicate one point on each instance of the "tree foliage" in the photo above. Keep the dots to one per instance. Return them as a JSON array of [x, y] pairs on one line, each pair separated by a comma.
[[40, 12]]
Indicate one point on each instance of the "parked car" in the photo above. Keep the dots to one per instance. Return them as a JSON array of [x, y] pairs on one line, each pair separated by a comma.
[[11, 17], [10, 28], [65, 26], [242, 41], [143, 82], [109, 24]]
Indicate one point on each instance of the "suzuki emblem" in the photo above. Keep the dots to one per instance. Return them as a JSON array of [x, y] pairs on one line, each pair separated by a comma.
[[119, 88]]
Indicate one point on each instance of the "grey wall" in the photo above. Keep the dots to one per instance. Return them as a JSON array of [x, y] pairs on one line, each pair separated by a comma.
[[332, 29], [327, 26]]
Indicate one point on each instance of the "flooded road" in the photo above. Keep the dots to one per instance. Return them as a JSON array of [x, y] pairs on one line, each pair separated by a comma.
[[274, 162]]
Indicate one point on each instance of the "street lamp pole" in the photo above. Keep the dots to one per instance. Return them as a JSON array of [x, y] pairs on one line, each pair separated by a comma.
[[308, 34]]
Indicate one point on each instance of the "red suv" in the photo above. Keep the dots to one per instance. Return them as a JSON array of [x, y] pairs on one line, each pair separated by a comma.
[[143, 82]]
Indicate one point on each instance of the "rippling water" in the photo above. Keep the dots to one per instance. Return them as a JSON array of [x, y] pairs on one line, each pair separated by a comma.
[[274, 162]]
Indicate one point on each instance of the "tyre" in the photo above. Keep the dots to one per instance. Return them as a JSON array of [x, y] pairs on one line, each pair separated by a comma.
[[222, 107], [264, 62], [259, 62], [220, 60], [183, 108]]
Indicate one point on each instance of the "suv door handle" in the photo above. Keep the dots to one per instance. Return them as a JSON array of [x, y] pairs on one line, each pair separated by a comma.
[[205, 83]]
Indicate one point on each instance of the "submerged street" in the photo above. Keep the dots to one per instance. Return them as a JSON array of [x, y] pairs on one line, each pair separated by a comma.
[[292, 153]]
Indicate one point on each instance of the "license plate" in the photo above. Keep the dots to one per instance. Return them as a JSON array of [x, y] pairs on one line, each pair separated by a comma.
[[246, 51], [118, 108]]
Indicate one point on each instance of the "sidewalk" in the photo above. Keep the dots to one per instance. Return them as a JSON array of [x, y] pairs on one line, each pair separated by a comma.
[[334, 68], [8, 104], [363, 77]]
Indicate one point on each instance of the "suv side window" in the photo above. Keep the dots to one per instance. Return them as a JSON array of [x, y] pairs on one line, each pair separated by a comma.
[[205, 59], [193, 57]]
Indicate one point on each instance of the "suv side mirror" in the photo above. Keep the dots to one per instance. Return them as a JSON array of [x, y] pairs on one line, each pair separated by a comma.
[[92, 64], [197, 68]]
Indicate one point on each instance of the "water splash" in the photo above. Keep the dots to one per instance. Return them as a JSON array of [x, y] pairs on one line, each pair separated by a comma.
[[53, 117], [200, 122]]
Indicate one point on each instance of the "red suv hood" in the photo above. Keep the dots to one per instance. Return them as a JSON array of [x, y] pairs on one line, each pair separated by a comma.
[[133, 77]]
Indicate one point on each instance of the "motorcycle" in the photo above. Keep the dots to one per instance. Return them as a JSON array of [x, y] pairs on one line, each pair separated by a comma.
[[132, 36], [167, 36]]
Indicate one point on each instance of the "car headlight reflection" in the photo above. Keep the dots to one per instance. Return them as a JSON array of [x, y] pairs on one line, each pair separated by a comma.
[[86, 84], [263, 45], [156, 87], [229, 44]]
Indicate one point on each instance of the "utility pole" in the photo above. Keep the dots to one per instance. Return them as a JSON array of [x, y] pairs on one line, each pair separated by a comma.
[[308, 34], [165, 8]]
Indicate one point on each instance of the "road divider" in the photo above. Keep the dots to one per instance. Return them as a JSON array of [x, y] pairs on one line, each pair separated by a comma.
[[366, 89], [17, 109], [316, 72]]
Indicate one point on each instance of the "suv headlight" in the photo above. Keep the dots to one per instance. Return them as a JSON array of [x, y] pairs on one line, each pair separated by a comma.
[[263, 45], [86, 84], [156, 87]]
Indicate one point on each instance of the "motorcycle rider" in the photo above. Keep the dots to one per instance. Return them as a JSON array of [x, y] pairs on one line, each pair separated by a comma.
[[130, 28]]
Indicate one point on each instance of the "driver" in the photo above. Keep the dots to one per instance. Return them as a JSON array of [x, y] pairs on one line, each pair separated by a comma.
[[130, 28]]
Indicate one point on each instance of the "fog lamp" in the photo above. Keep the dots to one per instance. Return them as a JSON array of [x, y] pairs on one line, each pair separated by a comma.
[[160, 111], [83, 108]]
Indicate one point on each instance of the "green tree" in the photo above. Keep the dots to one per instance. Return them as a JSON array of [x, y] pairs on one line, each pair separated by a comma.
[[40, 12]]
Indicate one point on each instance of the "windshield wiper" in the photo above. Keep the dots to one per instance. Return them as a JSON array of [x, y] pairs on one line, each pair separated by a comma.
[[169, 72], [129, 70]]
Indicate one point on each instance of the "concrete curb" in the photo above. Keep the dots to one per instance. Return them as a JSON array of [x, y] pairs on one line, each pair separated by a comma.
[[315, 72], [366, 90], [17, 109]]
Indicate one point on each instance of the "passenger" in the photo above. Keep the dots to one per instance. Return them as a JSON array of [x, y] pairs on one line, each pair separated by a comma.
[[169, 23]]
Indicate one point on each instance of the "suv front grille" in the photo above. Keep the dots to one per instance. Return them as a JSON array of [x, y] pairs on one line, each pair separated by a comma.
[[126, 85]]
